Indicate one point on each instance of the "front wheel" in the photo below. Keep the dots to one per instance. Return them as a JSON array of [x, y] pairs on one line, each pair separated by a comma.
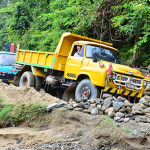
[[86, 90], [27, 79]]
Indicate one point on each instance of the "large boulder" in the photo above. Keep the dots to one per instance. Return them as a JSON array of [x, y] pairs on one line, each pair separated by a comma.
[[119, 114], [110, 112], [94, 111], [127, 103], [137, 109], [106, 96], [117, 105], [107, 103], [144, 101], [121, 99], [139, 118], [55, 105], [147, 98]]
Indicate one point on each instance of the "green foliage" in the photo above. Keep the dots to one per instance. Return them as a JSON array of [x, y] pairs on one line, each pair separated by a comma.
[[39, 24], [11, 115], [132, 18]]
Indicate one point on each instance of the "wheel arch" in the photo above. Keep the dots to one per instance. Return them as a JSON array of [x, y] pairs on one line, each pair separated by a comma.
[[19, 74], [83, 76]]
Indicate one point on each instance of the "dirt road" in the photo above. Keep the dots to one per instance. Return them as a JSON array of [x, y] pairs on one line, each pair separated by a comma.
[[65, 129]]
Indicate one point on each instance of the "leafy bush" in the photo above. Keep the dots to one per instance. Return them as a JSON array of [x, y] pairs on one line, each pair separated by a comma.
[[11, 115]]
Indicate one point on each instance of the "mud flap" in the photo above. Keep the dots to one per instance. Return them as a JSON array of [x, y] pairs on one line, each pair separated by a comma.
[[70, 92]]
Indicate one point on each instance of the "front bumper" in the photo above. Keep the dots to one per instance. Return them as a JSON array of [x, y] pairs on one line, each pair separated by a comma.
[[135, 94]]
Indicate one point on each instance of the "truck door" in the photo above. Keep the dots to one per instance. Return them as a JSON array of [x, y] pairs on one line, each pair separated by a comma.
[[74, 62]]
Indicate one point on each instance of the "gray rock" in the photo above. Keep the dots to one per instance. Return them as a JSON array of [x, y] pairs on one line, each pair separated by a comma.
[[86, 111], [127, 103], [87, 103], [122, 110], [119, 114], [90, 108], [139, 118], [76, 105], [115, 99], [97, 100], [147, 115], [69, 107], [148, 119], [117, 105], [91, 101], [99, 107], [147, 93], [128, 115], [110, 112], [55, 105], [129, 110], [121, 99], [136, 109], [92, 105], [126, 120], [94, 111], [109, 98], [147, 98], [144, 101], [116, 118], [71, 103], [106, 96], [143, 106], [85, 106], [107, 103], [78, 109], [78, 100], [121, 120], [100, 112], [147, 110]]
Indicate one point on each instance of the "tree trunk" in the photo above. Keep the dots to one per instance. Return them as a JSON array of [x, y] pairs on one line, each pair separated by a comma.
[[136, 54]]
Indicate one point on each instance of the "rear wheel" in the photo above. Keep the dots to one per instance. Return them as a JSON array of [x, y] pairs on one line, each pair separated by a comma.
[[37, 82], [27, 79], [86, 90]]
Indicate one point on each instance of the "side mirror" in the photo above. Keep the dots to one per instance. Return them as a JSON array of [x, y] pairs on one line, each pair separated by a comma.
[[95, 55]]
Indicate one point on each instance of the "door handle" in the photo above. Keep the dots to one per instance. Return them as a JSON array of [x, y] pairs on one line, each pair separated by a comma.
[[69, 58]]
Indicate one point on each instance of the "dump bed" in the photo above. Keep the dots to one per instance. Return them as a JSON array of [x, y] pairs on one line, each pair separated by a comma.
[[51, 60]]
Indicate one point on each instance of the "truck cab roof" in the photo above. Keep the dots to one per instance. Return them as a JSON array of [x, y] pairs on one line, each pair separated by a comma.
[[94, 43]]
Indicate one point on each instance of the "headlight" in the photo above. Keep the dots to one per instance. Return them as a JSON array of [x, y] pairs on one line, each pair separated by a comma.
[[114, 76], [144, 83]]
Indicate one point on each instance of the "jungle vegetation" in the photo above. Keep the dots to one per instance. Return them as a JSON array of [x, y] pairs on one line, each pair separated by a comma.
[[39, 24]]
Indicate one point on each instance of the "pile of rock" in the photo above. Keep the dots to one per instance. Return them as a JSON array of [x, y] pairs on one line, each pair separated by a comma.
[[118, 108]]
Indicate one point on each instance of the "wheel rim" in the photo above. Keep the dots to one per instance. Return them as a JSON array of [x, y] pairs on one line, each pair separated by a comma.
[[25, 82], [85, 92]]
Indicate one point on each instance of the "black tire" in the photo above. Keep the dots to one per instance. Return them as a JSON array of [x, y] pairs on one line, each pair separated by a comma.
[[37, 82], [27, 79], [86, 86]]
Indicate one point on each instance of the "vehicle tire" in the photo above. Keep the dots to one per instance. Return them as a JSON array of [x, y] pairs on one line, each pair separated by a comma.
[[27, 79], [86, 90], [37, 82]]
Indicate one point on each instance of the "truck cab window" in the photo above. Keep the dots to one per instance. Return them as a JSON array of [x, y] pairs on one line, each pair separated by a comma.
[[103, 53], [78, 51]]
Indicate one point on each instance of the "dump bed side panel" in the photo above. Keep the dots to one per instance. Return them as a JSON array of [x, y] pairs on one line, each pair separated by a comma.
[[35, 58]]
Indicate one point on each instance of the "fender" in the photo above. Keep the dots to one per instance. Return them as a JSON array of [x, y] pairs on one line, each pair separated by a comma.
[[38, 71], [96, 75]]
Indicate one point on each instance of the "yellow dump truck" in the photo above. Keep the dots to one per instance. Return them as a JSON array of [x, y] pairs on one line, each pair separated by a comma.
[[95, 70]]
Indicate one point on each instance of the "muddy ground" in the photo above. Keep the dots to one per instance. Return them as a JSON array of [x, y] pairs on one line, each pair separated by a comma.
[[66, 129]]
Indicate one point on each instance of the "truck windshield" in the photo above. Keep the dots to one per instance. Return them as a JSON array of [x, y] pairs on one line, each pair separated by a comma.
[[103, 53], [7, 59]]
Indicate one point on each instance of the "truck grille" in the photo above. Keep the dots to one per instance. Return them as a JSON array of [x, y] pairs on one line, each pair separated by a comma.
[[128, 81]]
